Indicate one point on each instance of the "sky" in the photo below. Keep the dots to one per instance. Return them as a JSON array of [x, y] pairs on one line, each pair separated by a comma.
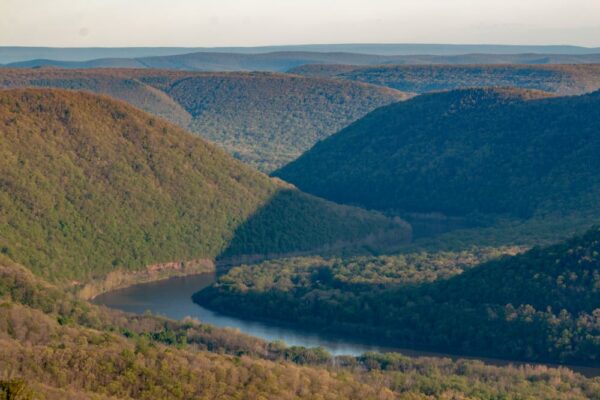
[[209, 23]]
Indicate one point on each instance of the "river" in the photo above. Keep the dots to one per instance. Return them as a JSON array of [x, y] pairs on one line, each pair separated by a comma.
[[171, 298]]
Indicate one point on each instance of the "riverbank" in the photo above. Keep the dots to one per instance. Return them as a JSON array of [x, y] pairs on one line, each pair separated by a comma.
[[172, 298], [155, 272]]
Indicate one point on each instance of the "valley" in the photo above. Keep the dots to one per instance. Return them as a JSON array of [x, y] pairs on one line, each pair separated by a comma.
[[242, 224], [263, 119]]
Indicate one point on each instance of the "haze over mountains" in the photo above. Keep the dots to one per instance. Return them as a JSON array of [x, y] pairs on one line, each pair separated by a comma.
[[283, 61], [11, 54]]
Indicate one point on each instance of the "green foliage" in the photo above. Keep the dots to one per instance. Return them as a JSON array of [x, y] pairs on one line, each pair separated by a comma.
[[466, 153], [15, 389], [540, 305], [263, 119], [107, 354], [90, 185]]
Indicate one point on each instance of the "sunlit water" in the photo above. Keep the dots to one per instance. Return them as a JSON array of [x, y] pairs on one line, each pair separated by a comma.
[[172, 298]]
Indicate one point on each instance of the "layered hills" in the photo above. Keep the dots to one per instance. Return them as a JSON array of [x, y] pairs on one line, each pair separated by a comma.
[[562, 79], [263, 119], [90, 185], [11, 54], [282, 60], [478, 151]]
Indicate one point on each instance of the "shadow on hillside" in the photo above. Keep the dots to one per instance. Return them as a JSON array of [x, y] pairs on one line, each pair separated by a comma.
[[293, 223]]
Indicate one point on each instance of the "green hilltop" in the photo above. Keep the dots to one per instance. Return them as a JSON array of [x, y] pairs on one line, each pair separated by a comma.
[[264, 119], [91, 185]]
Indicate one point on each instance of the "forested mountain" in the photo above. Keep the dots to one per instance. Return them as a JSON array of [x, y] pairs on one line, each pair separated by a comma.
[[281, 61], [263, 119], [90, 185], [562, 79], [540, 305], [486, 152]]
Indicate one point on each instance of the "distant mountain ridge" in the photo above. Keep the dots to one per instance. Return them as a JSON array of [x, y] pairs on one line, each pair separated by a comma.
[[281, 61], [9, 54], [562, 79]]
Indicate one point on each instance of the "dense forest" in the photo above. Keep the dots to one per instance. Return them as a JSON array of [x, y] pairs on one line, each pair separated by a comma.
[[479, 153], [461, 192], [91, 185], [540, 305], [560, 79], [53, 346], [263, 119]]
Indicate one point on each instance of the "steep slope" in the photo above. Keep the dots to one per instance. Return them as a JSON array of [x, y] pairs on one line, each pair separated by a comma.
[[90, 185], [264, 119], [562, 79], [539, 305], [479, 151]]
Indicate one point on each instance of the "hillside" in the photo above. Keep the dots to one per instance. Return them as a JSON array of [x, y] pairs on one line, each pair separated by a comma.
[[561, 79], [263, 119], [540, 305], [478, 153], [90, 185], [54, 346]]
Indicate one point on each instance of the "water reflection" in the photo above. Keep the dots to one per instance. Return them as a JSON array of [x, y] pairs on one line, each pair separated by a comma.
[[172, 298]]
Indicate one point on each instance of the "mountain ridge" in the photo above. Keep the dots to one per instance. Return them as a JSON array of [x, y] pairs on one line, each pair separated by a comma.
[[493, 152], [265, 119], [91, 184]]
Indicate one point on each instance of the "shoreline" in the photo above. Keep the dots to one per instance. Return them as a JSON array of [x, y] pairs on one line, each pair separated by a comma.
[[120, 279], [587, 371], [413, 352]]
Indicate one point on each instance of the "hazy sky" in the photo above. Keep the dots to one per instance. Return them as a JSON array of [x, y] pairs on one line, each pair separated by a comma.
[[265, 22]]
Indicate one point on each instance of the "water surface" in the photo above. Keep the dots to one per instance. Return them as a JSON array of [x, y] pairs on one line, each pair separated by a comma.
[[172, 298]]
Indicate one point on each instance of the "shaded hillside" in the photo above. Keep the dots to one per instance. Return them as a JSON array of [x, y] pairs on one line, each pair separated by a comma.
[[263, 119], [89, 185], [465, 152], [281, 60], [540, 305], [562, 79]]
